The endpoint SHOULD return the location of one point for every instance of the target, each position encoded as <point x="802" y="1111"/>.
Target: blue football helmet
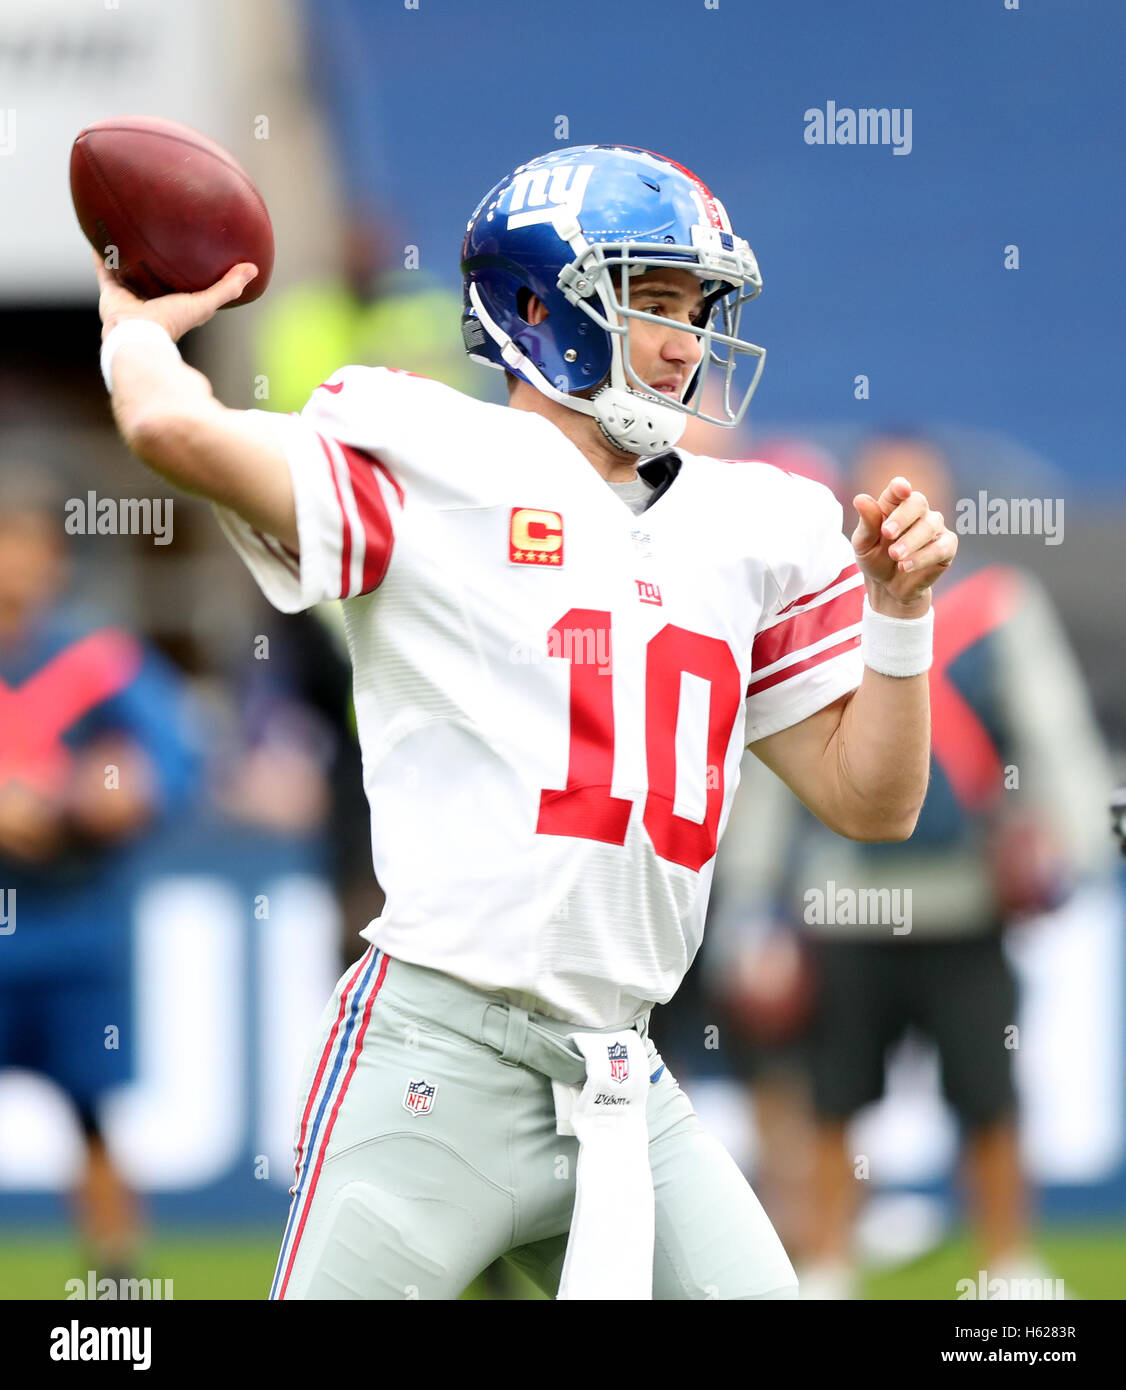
<point x="558" y="228"/>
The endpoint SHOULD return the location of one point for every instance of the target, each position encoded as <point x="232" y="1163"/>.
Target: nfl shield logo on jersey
<point x="419" y="1097"/>
<point x="619" y="1062"/>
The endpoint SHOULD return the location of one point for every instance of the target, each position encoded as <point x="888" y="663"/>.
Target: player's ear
<point x="530" y="309"/>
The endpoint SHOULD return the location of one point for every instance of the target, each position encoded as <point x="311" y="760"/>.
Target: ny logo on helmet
<point x="544" y="190"/>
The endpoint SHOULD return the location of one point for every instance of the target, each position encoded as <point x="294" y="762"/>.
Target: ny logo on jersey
<point x="535" y="537"/>
<point x="647" y="592"/>
<point x="619" y="1062"/>
<point x="419" y="1097"/>
<point x="543" y="191"/>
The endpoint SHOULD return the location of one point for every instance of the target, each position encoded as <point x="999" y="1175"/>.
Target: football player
<point x="564" y="631"/>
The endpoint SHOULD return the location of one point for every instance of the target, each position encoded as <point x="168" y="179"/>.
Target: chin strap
<point x="636" y="422"/>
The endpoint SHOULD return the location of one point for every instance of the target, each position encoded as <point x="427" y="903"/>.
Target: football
<point x="178" y="208"/>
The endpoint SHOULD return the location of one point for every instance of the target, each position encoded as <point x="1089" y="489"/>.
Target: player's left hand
<point x="901" y="547"/>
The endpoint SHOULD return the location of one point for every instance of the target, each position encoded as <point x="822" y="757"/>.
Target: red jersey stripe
<point x="389" y="476"/>
<point x="756" y="687"/>
<point x="280" y="553"/>
<point x="803" y="629"/>
<point x="379" y="536"/>
<point x="345" y="524"/>
<point x="846" y="573"/>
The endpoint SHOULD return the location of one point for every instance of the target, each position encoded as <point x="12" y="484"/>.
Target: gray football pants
<point x="426" y="1148"/>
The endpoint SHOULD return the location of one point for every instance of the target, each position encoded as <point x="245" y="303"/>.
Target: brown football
<point x="179" y="209"/>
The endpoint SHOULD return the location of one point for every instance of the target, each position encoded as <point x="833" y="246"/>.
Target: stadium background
<point x="372" y="130"/>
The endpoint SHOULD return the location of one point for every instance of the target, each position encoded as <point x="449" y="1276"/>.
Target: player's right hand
<point x="177" y="314"/>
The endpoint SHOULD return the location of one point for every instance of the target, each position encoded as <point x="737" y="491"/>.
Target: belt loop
<point x="515" y="1033"/>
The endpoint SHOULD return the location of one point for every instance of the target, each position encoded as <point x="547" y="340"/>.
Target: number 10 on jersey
<point x="585" y="808"/>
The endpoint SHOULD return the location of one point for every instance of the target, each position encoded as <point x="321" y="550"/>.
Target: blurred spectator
<point x="293" y="766"/>
<point x="375" y="299"/>
<point x="367" y="310"/>
<point x="1014" y="820"/>
<point x="93" y="752"/>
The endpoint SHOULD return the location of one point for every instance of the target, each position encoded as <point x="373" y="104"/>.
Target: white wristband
<point x="135" y="330"/>
<point x="896" y="646"/>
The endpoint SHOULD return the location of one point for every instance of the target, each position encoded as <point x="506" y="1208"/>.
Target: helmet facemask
<point x="632" y="415"/>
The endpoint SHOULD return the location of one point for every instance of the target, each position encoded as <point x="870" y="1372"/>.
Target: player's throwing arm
<point x="167" y="414"/>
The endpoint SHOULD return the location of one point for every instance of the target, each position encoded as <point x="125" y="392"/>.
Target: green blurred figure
<point x="373" y="311"/>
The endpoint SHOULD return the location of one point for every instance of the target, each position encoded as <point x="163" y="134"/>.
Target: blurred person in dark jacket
<point x="94" y="751"/>
<point x="1013" y="822"/>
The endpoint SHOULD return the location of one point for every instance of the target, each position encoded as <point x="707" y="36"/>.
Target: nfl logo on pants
<point x="419" y="1097"/>
<point x="619" y="1062"/>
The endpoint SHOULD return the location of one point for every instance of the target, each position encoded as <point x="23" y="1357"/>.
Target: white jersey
<point x="552" y="694"/>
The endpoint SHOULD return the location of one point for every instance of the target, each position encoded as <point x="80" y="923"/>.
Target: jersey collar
<point x="659" y="472"/>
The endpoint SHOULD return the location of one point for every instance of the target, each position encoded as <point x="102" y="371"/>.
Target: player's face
<point x="663" y="355"/>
